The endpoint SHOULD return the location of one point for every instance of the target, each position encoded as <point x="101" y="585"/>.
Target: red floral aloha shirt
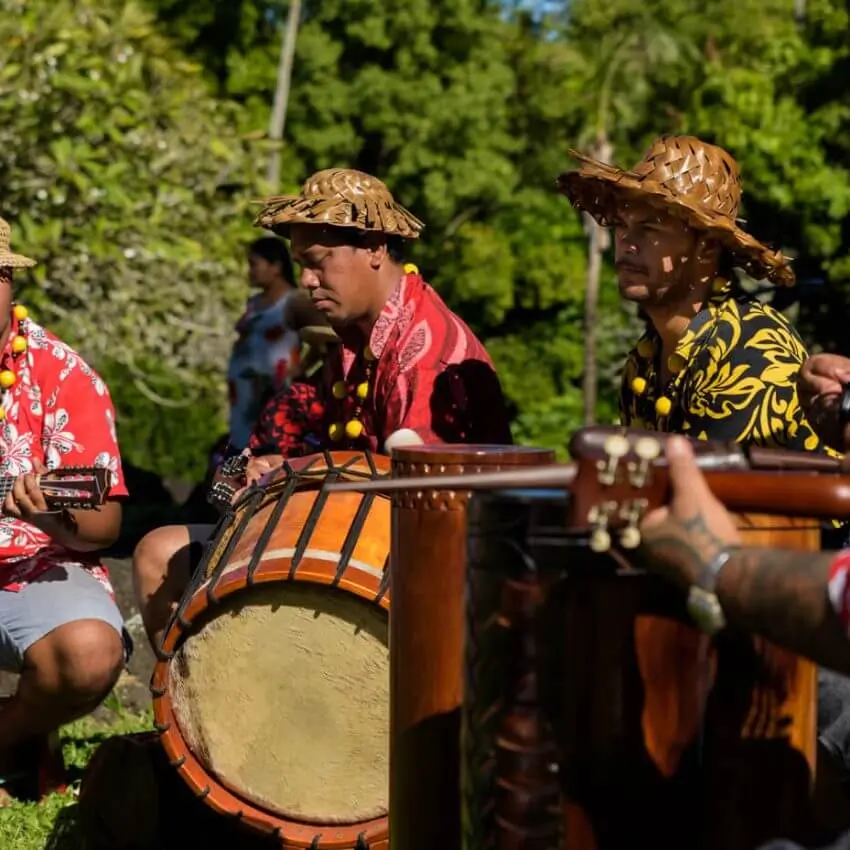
<point x="430" y="374"/>
<point x="289" y="422"/>
<point x="59" y="411"/>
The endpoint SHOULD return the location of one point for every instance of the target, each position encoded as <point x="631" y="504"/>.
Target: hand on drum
<point x="684" y="536"/>
<point x="257" y="468"/>
<point x="820" y="385"/>
<point x="26" y="501"/>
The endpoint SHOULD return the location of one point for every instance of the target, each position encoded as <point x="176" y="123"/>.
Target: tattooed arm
<point x="779" y="594"/>
<point x="782" y="595"/>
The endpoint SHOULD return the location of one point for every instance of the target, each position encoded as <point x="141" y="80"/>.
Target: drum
<point x="596" y="718"/>
<point x="272" y="692"/>
<point x="428" y="567"/>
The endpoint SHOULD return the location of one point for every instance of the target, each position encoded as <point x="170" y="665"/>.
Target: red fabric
<point x="60" y="412"/>
<point x="839" y="587"/>
<point x="432" y="376"/>
<point x="287" y="420"/>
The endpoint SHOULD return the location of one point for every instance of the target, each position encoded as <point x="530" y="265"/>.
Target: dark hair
<point x="273" y="250"/>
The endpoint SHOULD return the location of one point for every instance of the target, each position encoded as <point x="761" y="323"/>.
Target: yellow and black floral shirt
<point x="733" y="378"/>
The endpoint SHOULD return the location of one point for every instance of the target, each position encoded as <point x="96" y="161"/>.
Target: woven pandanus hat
<point x="9" y="260"/>
<point x="341" y="197"/>
<point x="687" y="177"/>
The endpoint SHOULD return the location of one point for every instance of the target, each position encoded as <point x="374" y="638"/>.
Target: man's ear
<point x="376" y="245"/>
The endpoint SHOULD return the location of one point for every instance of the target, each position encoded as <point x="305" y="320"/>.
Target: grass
<point x="51" y="824"/>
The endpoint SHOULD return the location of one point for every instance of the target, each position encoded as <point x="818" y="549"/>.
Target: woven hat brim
<point x="370" y="216"/>
<point x="599" y="188"/>
<point x="8" y="260"/>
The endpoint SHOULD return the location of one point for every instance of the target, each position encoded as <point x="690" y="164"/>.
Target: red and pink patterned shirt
<point x="431" y="376"/>
<point x="59" y="411"/>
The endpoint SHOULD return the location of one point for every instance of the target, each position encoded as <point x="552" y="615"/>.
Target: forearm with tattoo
<point x="782" y="595"/>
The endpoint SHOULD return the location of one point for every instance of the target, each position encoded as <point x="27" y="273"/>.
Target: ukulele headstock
<point x="618" y="481"/>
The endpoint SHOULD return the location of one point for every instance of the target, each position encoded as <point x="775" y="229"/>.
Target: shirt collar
<point x="406" y="290"/>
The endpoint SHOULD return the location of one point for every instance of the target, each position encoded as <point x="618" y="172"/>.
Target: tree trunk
<point x="598" y="242"/>
<point x="281" y="95"/>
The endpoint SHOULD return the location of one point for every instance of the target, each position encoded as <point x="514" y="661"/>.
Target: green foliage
<point x="133" y="184"/>
<point x="51" y="823"/>
<point x="461" y="111"/>
<point x="128" y="183"/>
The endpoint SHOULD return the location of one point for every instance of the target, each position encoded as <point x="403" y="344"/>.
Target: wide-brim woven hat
<point x="8" y="259"/>
<point x="684" y="176"/>
<point x="341" y="198"/>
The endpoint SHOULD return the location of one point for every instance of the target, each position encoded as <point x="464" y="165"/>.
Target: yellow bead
<point x="410" y="268"/>
<point x="638" y="386"/>
<point x="7" y="379"/>
<point x="646" y="348"/>
<point x="353" y="429"/>
<point x="339" y="389"/>
<point x="19" y="344"/>
<point x="368" y="353"/>
<point x="20" y="312"/>
<point x="336" y="431"/>
<point x="676" y="363"/>
<point x="663" y="406"/>
<point x="719" y="284"/>
<point x="362" y="390"/>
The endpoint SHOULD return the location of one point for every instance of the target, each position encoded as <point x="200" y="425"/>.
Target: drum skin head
<point x="283" y="695"/>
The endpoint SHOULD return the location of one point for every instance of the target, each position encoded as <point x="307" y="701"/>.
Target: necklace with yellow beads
<point x="352" y="428"/>
<point x="676" y="364"/>
<point x="19" y="344"/>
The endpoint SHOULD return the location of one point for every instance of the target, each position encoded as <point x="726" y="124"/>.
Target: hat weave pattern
<point x="684" y="176"/>
<point x="9" y="260"/>
<point x="341" y="198"/>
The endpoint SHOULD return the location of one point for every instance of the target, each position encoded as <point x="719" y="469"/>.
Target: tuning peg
<point x="615" y="447"/>
<point x="647" y="449"/>
<point x="600" y="540"/>
<point x="630" y="537"/>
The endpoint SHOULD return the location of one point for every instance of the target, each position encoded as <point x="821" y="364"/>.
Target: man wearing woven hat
<point x="714" y="363"/>
<point x="59" y="625"/>
<point x="406" y="369"/>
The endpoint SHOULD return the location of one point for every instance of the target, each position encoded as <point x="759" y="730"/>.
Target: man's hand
<point x="820" y="384"/>
<point x="680" y="539"/>
<point x="258" y="467"/>
<point x="26" y="501"/>
<point x="822" y="374"/>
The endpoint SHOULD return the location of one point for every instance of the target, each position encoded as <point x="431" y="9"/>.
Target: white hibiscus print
<point x="107" y="461"/>
<point x="16" y="450"/>
<point x="55" y="440"/>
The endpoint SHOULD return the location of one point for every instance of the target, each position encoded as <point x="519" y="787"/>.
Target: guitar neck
<point x="66" y="488"/>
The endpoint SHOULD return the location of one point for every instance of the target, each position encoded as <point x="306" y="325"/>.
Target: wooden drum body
<point x="596" y="717"/>
<point x="428" y="568"/>
<point x="272" y="695"/>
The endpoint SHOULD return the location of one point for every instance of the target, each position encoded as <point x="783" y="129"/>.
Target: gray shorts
<point x="59" y="596"/>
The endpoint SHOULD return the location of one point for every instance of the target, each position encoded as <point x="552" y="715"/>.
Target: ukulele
<point x="70" y="487"/>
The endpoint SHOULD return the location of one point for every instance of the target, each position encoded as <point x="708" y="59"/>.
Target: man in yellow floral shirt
<point x="714" y="362"/>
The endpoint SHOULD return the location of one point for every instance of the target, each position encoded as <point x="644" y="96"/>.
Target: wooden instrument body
<point x="596" y="717"/>
<point x="287" y="540"/>
<point x="428" y="569"/>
